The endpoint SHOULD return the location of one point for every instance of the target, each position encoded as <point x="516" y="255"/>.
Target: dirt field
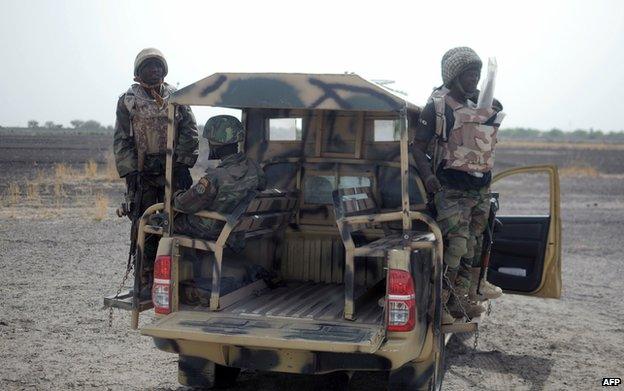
<point x="58" y="258"/>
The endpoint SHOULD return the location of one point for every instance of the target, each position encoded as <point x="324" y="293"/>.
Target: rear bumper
<point x="275" y="360"/>
<point x="293" y="345"/>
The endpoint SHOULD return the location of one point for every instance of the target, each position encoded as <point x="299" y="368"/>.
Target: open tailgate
<point x="268" y="332"/>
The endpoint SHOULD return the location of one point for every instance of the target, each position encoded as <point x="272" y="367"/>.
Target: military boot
<point x="147" y="279"/>
<point x="447" y="318"/>
<point x="486" y="290"/>
<point x="460" y="305"/>
<point x="449" y="276"/>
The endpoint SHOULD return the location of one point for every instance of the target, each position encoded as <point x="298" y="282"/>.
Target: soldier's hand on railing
<point x="159" y="219"/>
<point x="432" y="184"/>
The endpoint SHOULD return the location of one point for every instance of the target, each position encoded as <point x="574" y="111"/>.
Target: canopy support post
<point x="171" y="136"/>
<point x="405" y="201"/>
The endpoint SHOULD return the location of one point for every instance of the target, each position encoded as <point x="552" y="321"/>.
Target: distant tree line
<point x="77" y="124"/>
<point x="578" y="135"/>
<point x="559" y="135"/>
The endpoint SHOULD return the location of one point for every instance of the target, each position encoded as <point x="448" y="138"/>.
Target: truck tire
<point x="426" y="375"/>
<point x="201" y="373"/>
<point x="334" y="381"/>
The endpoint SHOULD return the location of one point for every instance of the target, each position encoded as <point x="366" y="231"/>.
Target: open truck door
<point x="526" y="254"/>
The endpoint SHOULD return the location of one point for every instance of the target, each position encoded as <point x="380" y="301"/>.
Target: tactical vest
<point x="469" y="146"/>
<point x="148" y="121"/>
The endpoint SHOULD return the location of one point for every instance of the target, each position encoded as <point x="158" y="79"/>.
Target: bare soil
<point x="57" y="261"/>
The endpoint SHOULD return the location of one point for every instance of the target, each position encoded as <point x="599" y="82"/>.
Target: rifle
<point x="134" y="256"/>
<point x="131" y="207"/>
<point x="488" y="239"/>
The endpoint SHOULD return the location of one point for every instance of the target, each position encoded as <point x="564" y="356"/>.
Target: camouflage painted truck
<point x="354" y="261"/>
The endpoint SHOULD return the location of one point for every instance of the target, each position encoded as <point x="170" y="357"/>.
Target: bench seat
<point x="258" y="214"/>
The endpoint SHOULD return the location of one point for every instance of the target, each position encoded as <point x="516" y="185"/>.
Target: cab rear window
<point x="285" y="129"/>
<point x="317" y="189"/>
<point x="386" y="130"/>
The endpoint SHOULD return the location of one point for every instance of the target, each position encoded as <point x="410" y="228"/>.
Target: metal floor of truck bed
<point x="304" y="300"/>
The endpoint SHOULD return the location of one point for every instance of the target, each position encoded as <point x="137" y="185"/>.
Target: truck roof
<point x="291" y="91"/>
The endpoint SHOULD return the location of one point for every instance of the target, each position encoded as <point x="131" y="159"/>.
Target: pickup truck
<point x="351" y="261"/>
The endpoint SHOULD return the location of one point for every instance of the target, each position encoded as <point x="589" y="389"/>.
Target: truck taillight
<point x="161" y="289"/>
<point x="401" y="303"/>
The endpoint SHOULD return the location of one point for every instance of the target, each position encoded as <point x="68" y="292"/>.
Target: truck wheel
<point x="424" y="375"/>
<point x="201" y="373"/>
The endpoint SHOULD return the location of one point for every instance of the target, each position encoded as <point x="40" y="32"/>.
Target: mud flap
<point x="201" y="373"/>
<point x="425" y="375"/>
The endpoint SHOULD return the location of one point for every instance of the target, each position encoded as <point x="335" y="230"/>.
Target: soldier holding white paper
<point x="460" y="135"/>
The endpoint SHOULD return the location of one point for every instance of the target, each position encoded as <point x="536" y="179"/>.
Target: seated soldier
<point x="221" y="188"/>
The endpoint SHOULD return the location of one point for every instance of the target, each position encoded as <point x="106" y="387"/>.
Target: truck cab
<point x="351" y="261"/>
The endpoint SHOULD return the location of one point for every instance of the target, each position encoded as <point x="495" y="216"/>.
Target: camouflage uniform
<point x="220" y="190"/>
<point x="223" y="187"/>
<point x="140" y="139"/>
<point x="462" y="140"/>
<point x="140" y="142"/>
<point x="462" y="217"/>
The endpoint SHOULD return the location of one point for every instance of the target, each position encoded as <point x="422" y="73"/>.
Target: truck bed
<point x="305" y="316"/>
<point x="314" y="301"/>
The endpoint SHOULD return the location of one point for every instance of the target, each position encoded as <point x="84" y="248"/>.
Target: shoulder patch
<point x="201" y="186"/>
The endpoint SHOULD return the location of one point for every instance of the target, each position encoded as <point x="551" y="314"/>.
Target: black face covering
<point x="221" y="151"/>
<point x="212" y="153"/>
<point x="468" y="95"/>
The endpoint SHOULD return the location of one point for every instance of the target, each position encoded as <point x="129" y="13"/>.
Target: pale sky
<point x="560" y="63"/>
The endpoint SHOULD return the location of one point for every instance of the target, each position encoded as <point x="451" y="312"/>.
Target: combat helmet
<point x="223" y="130"/>
<point x="145" y="55"/>
<point x="456" y="60"/>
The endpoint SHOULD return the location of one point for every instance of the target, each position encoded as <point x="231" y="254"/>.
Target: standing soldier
<point x="461" y="139"/>
<point x="223" y="187"/>
<point x="140" y="142"/>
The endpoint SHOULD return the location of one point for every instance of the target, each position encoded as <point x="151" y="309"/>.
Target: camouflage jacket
<point x="140" y="133"/>
<point x="220" y="190"/>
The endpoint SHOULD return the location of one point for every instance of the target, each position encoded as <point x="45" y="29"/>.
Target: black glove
<point x="182" y="177"/>
<point x="432" y="184"/>
<point x="159" y="219"/>
<point x="131" y="181"/>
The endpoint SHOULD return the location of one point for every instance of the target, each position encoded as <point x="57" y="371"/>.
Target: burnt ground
<point x="57" y="261"/>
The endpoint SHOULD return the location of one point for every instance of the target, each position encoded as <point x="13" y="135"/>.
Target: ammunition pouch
<point x="154" y="164"/>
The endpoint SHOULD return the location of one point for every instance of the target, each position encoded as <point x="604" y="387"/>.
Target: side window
<point x="354" y="181"/>
<point x="317" y="189"/>
<point x="285" y="129"/>
<point x="386" y="130"/>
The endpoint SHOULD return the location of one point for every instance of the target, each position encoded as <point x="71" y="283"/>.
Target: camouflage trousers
<point x="462" y="217"/>
<point x="152" y="193"/>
